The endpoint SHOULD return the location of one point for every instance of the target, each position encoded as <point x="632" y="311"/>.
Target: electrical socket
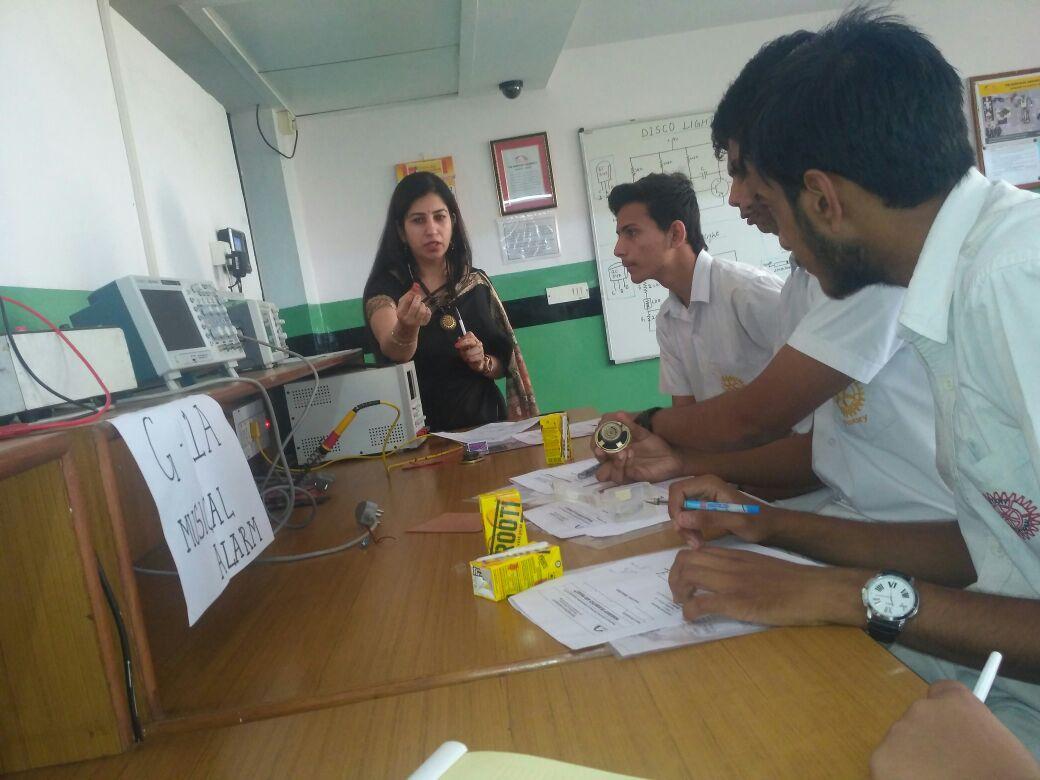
<point x="255" y="411"/>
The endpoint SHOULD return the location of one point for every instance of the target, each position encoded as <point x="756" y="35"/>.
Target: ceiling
<point x="314" y="56"/>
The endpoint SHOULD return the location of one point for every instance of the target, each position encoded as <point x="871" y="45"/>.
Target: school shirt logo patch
<point x="850" y="403"/>
<point x="1018" y="512"/>
<point x="730" y="382"/>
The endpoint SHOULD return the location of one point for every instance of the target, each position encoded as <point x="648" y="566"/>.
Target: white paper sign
<point x="211" y="512"/>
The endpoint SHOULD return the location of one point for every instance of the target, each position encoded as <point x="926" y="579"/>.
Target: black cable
<point x="124" y="644"/>
<point x="9" y="332"/>
<point x="296" y="140"/>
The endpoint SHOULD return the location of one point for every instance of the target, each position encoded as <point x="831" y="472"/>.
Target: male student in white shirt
<point x="968" y="251"/>
<point x="870" y="438"/>
<point x="716" y="329"/>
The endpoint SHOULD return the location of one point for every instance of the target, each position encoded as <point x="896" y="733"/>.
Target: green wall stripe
<point x="55" y="305"/>
<point x="524" y="284"/>
<point x="349" y="313"/>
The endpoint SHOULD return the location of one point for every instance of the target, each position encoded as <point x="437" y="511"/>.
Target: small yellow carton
<point x="503" y="516"/>
<point x="556" y="438"/>
<point x="503" y="574"/>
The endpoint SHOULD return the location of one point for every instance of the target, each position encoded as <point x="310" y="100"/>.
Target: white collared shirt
<point x="874" y="442"/>
<point x="725" y="337"/>
<point x="972" y="310"/>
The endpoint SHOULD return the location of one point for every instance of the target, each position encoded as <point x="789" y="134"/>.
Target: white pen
<point x="987" y="676"/>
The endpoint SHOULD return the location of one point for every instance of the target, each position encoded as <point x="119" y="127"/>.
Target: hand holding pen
<point x="950" y="733"/>
<point x="705" y="508"/>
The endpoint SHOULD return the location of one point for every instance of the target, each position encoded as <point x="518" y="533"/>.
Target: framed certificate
<point x="523" y="173"/>
<point x="1006" y="113"/>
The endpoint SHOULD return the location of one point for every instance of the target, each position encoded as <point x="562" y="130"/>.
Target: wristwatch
<point x="891" y="601"/>
<point x="645" y="419"/>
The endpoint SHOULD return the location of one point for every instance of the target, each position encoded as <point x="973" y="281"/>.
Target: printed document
<point x="613" y="601"/>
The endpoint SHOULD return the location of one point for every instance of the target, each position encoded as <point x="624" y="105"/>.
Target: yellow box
<point x="502" y="574"/>
<point x="556" y="438"/>
<point x="503" y="516"/>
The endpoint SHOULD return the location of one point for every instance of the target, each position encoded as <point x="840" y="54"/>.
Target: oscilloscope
<point x="171" y="325"/>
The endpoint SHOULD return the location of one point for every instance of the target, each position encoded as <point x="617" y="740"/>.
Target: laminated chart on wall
<point x="627" y="152"/>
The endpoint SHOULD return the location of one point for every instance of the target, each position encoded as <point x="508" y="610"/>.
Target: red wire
<point x="17" y="429"/>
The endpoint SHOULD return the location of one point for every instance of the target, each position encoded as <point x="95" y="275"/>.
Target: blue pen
<point x="719" y="506"/>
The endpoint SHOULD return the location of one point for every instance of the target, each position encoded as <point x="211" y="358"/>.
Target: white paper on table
<point x="705" y="629"/>
<point x="578" y="431"/>
<point x="530" y="437"/>
<point x="614" y="600"/>
<point x="584" y="428"/>
<point x="567" y="519"/>
<point x="564" y="519"/>
<point x="543" y="480"/>
<point x="492" y="433"/>
<point x="611" y="601"/>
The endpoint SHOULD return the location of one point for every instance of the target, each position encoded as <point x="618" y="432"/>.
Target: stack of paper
<point x="602" y="603"/>
<point x="491" y="434"/>
<point x="570" y="519"/>
<point x="511" y="435"/>
<point x="628" y="603"/>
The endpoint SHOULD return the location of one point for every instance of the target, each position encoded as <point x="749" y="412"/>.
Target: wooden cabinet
<point x="74" y="505"/>
<point x="61" y="681"/>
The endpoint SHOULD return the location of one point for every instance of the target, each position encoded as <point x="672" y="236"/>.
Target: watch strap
<point x="884" y="631"/>
<point x="645" y="419"/>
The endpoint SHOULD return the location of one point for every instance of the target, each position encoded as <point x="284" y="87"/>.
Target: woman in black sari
<point x="425" y="302"/>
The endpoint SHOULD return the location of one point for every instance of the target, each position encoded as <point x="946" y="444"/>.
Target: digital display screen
<point x="172" y="317"/>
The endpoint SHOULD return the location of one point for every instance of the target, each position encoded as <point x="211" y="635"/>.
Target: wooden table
<point x="797" y="703"/>
<point x="361" y="663"/>
<point x="398" y="616"/>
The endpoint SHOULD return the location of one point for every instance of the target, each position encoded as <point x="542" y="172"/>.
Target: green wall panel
<point x="569" y="368"/>
<point x="55" y="305"/>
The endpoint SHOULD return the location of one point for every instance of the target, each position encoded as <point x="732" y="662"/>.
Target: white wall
<point x="344" y="165"/>
<point x="67" y="215"/>
<point x="186" y="158"/>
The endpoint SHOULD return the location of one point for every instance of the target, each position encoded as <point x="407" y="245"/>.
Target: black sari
<point x="453" y="395"/>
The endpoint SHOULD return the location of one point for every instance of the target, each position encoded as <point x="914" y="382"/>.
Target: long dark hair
<point x="394" y="257"/>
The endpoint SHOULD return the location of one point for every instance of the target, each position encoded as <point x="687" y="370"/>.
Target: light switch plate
<point x="567" y="292"/>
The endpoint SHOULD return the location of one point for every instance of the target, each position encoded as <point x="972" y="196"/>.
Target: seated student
<point x="717" y="327"/>
<point x="871" y="441"/>
<point x="969" y="252"/>
<point x="425" y="302"/>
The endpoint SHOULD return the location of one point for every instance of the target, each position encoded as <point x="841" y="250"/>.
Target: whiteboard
<point x="629" y="151"/>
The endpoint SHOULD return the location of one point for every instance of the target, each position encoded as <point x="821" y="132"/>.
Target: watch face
<point x="890" y="596"/>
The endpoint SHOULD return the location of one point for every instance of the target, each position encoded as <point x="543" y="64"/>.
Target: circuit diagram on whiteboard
<point x="653" y="296"/>
<point x="620" y="281"/>
<point x="698" y="161"/>
<point x="603" y="172"/>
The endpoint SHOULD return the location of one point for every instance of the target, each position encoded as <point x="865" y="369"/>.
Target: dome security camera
<point x="511" y="89"/>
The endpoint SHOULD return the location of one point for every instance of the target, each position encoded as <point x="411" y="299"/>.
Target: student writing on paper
<point x="424" y="301"/>
<point x="968" y="252"/>
<point x="870" y="439"/>
<point x="717" y="327"/>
